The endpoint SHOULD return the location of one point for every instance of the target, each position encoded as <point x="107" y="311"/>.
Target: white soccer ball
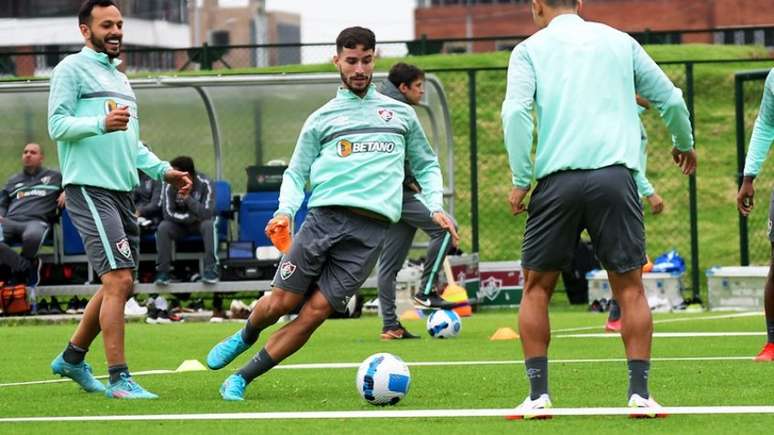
<point x="444" y="324"/>
<point x="383" y="379"/>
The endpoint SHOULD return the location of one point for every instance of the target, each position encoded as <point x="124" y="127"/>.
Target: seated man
<point x="28" y="205"/>
<point x="183" y="216"/>
<point x="147" y="202"/>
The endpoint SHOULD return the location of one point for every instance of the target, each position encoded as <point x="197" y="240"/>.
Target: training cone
<point x="458" y="295"/>
<point x="191" y="365"/>
<point x="411" y="314"/>
<point x="504" y="334"/>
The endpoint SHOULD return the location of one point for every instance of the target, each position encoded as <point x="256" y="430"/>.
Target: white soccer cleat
<point x="649" y="408"/>
<point x="532" y="409"/>
<point x="132" y="308"/>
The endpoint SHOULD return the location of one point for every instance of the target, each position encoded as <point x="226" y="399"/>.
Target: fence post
<point x="744" y="242"/>
<point x="692" y="187"/>
<point x="206" y="62"/>
<point x="423" y="44"/>
<point x="473" y="159"/>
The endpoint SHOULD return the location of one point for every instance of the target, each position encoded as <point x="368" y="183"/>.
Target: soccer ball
<point x="444" y="324"/>
<point x="383" y="379"/>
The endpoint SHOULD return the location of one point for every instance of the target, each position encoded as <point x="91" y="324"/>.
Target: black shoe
<point x="53" y="306"/>
<point x="153" y="313"/>
<point x="397" y="333"/>
<point x="43" y="307"/>
<point x="72" y="305"/>
<point x="82" y="302"/>
<point x="33" y="273"/>
<point x="432" y="302"/>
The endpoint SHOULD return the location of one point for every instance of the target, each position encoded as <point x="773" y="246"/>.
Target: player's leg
<point x="209" y="238"/>
<point x="166" y="233"/>
<point x="396" y="248"/>
<point x="767" y="353"/>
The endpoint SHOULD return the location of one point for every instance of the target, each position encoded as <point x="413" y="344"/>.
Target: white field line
<point x="668" y="335"/>
<point x="658" y="322"/>
<point x="419" y="413"/>
<point x="318" y="366"/>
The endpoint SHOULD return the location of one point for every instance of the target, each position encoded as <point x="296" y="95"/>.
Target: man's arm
<point x="763" y="131"/>
<point x="152" y="208"/>
<point x="149" y="163"/>
<point x="170" y="206"/>
<point x="651" y="82"/>
<point x="516" y="116"/>
<point x="296" y="175"/>
<point x="63" y="125"/>
<point x="204" y="208"/>
<point x="424" y="165"/>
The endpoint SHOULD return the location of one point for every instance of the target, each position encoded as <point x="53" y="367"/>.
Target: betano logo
<point x="344" y="148"/>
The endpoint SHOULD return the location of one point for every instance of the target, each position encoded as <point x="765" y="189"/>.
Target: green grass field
<point x="27" y="351"/>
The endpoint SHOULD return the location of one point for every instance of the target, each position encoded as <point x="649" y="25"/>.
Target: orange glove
<point x="278" y="231"/>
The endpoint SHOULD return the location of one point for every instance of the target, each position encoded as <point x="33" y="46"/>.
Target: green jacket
<point x="84" y="87"/>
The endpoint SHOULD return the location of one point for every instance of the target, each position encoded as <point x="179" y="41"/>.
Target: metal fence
<point x="754" y="245"/>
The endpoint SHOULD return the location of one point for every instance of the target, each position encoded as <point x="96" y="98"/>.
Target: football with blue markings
<point x="444" y="324"/>
<point x="383" y="379"/>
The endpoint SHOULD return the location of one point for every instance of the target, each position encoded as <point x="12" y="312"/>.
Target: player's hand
<point x="516" y="198"/>
<point x="744" y="199"/>
<point x="60" y="200"/>
<point x="117" y="119"/>
<point x="278" y="231"/>
<point x="656" y="203"/>
<point x="686" y="160"/>
<point x="180" y="180"/>
<point x="446" y="223"/>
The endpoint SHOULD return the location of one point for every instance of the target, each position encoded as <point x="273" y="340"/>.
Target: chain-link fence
<point x="754" y="245"/>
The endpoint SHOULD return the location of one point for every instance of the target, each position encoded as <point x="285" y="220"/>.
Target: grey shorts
<point x="604" y="201"/>
<point x="334" y="250"/>
<point x="107" y="225"/>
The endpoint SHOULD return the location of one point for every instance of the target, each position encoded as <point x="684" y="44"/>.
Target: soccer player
<point x="405" y="83"/>
<point x="760" y="142"/>
<point x="352" y="152"/>
<point x="92" y="115"/>
<point x="583" y="77"/>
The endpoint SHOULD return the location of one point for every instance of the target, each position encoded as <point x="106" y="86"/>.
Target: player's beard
<point x="348" y="83"/>
<point x="99" y="46"/>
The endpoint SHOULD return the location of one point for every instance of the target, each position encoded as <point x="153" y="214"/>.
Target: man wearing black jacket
<point x="183" y="216"/>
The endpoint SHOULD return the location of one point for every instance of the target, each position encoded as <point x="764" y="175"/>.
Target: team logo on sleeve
<point x="344" y="148"/>
<point x="45" y="179"/>
<point x="385" y="114"/>
<point x="124" y="249"/>
<point x="286" y="269"/>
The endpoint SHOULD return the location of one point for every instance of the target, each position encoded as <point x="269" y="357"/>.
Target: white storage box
<point x="736" y="287"/>
<point x="658" y="286"/>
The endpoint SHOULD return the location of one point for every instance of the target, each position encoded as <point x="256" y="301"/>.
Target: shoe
<point x="531" y="409"/>
<point x="153" y="314"/>
<point x="53" y="306"/>
<point x="654" y="409"/>
<point x="225" y="351"/>
<point x="432" y="301"/>
<point x="239" y="310"/>
<point x="613" y="326"/>
<point x="173" y="317"/>
<point x="163" y="317"/>
<point x="72" y="305"/>
<point x="767" y="354"/>
<point x="43" y="307"/>
<point x="210" y="277"/>
<point x="233" y="388"/>
<point x="80" y="373"/>
<point x="162" y="279"/>
<point x="33" y="273"/>
<point x="126" y="388"/>
<point x="397" y="333"/>
<point x="132" y="308"/>
<point x="82" y="302"/>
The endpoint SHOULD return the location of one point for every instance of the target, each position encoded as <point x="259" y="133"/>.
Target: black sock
<point x="74" y="354"/>
<point x="615" y="311"/>
<point x="115" y="372"/>
<point x="770" y="330"/>
<point x="638" y="377"/>
<point x="537" y="373"/>
<point x="250" y="333"/>
<point x="258" y="365"/>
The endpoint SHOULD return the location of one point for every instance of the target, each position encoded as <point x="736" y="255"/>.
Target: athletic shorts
<point x="107" y="225"/>
<point x="604" y="201"/>
<point x="335" y="250"/>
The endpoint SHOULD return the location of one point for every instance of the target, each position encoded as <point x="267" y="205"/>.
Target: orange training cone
<point x="504" y="334"/>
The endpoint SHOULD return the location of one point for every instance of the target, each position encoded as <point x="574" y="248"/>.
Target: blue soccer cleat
<point x="233" y="388"/>
<point x="225" y="351"/>
<point x="80" y="373"/>
<point x="126" y="388"/>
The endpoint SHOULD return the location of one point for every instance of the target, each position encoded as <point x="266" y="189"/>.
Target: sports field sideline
<point x="702" y="373"/>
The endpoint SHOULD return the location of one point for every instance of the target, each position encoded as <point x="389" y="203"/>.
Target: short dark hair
<point x="351" y="37"/>
<point x="562" y="3"/>
<point x="401" y="73"/>
<point x="84" y="13"/>
<point x="183" y="163"/>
